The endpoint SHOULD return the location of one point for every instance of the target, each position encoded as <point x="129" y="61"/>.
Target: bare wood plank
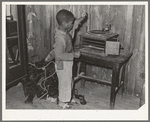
<point x="140" y="78"/>
<point x="95" y="79"/>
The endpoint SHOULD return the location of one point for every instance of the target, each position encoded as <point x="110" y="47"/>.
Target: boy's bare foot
<point x="64" y="105"/>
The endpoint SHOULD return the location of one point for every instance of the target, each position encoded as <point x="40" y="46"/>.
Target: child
<point x="64" y="55"/>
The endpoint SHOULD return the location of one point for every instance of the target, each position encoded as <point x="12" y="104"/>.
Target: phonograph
<point x="100" y="42"/>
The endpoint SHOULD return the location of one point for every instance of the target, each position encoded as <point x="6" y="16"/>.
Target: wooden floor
<point x="96" y="95"/>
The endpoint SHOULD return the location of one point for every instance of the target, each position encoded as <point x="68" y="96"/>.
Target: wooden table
<point x="116" y="63"/>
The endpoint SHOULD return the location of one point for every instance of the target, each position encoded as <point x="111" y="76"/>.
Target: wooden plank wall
<point x="126" y="20"/>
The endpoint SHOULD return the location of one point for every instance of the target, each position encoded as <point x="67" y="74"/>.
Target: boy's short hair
<point x="64" y="16"/>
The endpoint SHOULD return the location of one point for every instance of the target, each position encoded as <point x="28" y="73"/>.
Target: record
<point x="97" y="32"/>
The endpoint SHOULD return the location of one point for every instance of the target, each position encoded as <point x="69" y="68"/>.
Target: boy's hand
<point x="79" y="20"/>
<point x="84" y="15"/>
<point x="50" y="56"/>
<point x="77" y="54"/>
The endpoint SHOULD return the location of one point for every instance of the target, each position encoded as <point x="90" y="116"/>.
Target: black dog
<point x="41" y="81"/>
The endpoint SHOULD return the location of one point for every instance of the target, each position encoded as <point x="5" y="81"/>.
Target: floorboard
<point x="96" y="95"/>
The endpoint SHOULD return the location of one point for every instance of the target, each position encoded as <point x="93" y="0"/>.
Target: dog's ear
<point x="41" y="63"/>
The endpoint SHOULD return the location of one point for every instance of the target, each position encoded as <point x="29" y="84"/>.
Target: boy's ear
<point x="63" y="23"/>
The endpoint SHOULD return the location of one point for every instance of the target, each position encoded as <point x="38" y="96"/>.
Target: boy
<point x="64" y="55"/>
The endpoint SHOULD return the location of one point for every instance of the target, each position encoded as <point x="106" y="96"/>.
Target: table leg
<point x="122" y="80"/>
<point x="83" y="69"/>
<point x="115" y="80"/>
<point x="74" y="69"/>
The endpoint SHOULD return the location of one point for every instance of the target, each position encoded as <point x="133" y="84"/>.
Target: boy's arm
<point x="50" y="56"/>
<point x="61" y="54"/>
<point x="77" y="23"/>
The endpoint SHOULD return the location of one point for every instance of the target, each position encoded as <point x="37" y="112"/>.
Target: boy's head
<point x="65" y="18"/>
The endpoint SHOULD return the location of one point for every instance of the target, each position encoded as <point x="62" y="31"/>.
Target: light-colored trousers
<point x="65" y="82"/>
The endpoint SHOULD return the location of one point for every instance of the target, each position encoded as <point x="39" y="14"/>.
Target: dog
<point x="41" y="80"/>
